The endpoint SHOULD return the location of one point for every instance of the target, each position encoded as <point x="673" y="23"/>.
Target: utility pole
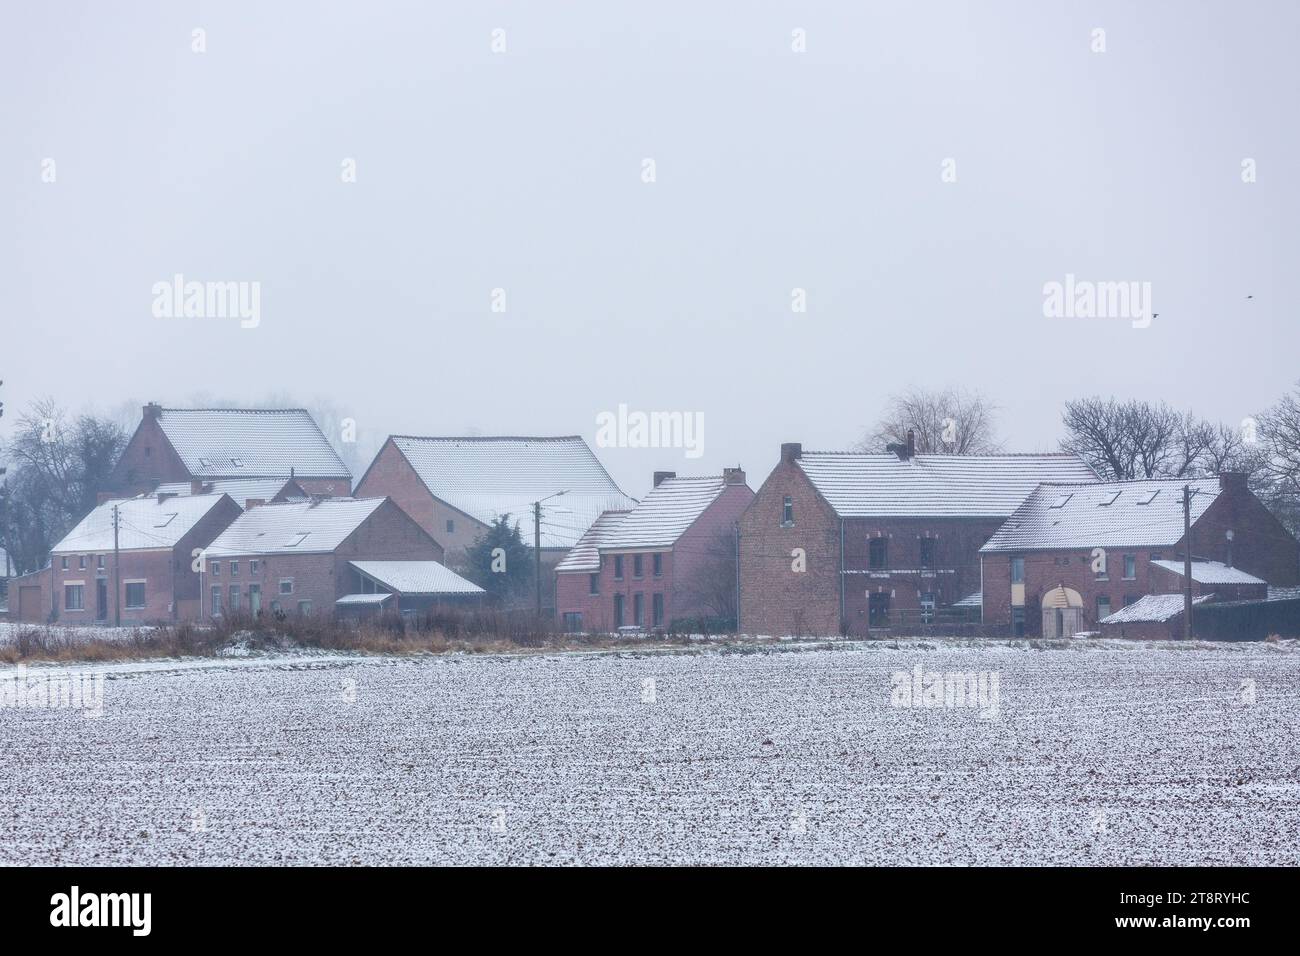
<point x="537" y="548"/>
<point x="1187" y="562"/>
<point x="117" y="584"/>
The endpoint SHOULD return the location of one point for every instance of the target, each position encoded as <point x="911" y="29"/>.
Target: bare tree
<point x="946" y="422"/>
<point x="1276" y="450"/>
<point x="714" y="586"/>
<point x="1122" y="440"/>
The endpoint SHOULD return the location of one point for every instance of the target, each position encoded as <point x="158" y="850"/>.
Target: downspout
<point x="844" y="624"/>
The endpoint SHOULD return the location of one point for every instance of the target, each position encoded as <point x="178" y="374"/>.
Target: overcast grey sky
<point x="775" y="170"/>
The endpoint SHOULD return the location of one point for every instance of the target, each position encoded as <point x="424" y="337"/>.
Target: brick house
<point x="456" y="487"/>
<point x="297" y="557"/>
<point x="846" y="542"/>
<point x="668" y="559"/>
<point x="1074" y="553"/>
<point x="156" y="581"/>
<point x="182" y="445"/>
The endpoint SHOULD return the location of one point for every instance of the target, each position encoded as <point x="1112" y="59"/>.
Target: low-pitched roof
<point x="298" y="527"/>
<point x="250" y="443"/>
<point x="1111" y="514"/>
<point x="1152" y="608"/>
<point x="1211" y="572"/>
<point x="487" y="477"/>
<point x="241" y="489"/>
<point x="665" y="513"/>
<point x="377" y="598"/>
<point x="585" y="555"/>
<point x="143" y="523"/>
<point x="859" y="485"/>
<point x="416" y="577"/>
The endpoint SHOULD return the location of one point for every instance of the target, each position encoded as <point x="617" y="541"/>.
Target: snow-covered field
<point x="1101" y="754"/>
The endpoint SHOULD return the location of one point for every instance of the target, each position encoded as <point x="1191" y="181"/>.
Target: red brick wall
<point x="695" y="554"/>
<point x="1261" y="545"/>
<point x="154" y="567"/>
<point x="774" y="599"/>
<point x="148" y="459"/>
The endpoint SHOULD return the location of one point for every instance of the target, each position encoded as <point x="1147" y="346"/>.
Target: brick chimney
<point x="661" y="475"/>
<point x="1234" y="481"/>
<point x="252" y="503"/>
<point x="791" y="451"/>
<point x="152" y="410"/>
<point x="733" y="476"/>
<point x="196" y="486"/>
<point x="904" y="451"/>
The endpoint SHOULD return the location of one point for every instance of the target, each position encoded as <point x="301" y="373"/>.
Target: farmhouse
<point x="840" y="542"/>
<point x="1073" y="553"/>
<point x="407" y="588"/>
<point x="298" y="557"/>
<point x="152" y="579"/>
<point x="670" y="558"/>
<point x="183" y="445"/>
<point x="456" y="487"/>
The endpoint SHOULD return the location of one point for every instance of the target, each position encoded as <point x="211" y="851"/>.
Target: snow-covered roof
<point x="1111" y="514"/>
<point x="1152" y="608"/>
<point x="144" y="522"/>
<point x="487" y="477"/>
<point x="1211" y="572"/>
<point x="241" y="489"/>
<point x="416" y="577"/>
<point x="585" y="555"/>
<point x="376" y="598"/>
<point x="868" y="485"/>
<point x="664" y="513"/>
<point x="299" y="527"/>
<point x="250" y="443"/>
<point x="1283" y="593"/>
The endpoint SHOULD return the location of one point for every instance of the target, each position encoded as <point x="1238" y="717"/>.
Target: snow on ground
<point x="1131" y="755"/>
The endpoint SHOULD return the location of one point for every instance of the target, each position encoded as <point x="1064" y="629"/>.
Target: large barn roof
<point x="250" y="443"/>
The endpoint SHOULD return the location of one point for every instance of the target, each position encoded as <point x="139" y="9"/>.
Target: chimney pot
<point x="733" y="476"/>
<point x="791" y="451"/>
<point x="152" y="410"/>
<point x="911" y="443"/>
<point x="661" y="475"/>
<point x="1232" y="481"/>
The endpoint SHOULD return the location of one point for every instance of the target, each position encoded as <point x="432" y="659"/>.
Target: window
<point x="927" y="554"/>
<point x="1149" y="497"/>
<point x="254" y="566"/>
<point x="593" y="583"/>
<point x="1017" y="570"/>
<point x="878" y="610"/>
<point x="74" y="597"/>
<point x="572" y="620"/>
<point x="451" y="527"/>
<point x="618" y="610"/>
<point x="81" y="562"/>
<point x="234" y="597"/>
<point x="296" y="539"/>
<point x="657" y="608"/>
<point x="165" y="520"/>
<point x="99" y="561"/>
<point x="1156" y="556"/>
<point x="878" y="553"/>
<point x="237" y="462"/>
<point x="1018" y="621"/>
<point x="216" y="600"/>
<point x="787" y="512"/>
<point x="618" y="567"/>
<point x="638" y="569"/>
<point x="63" y="562"/>
<point x="1108" y="500"/>
<point x="638" y="610"/>
<point x="286" y="585"/>
<point x="1103" y="606"/>
<point x="214" y="568"/>
<point x="275" y="607"/>
<point x="927" y="607"/>
<point x="659" y="565"/>
<point x="1130" y="567"/>
<point x="1061" y="501"/>
<point x="304" y="608"/>
<point x="234" y="568"/>
<point x="135" y="594"/>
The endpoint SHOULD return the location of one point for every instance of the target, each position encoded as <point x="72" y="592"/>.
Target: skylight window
<point x="1060" y="501"/>
<point x="205" y="463"/>
<point x="297" y="539"/>
<point x="1149" y="497"/>
<point x="1108" y="500"/>
<point x="166" y="520"/>
<point x="237" y="462"/>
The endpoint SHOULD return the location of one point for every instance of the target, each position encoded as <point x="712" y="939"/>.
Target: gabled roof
<point x="300" y="527"/>
<point x="1152" y="608"/>
<point x="416" y="577"/>
<point x="250" y="443"/>
<point x="1110" y="514"/>
<point x="860" y="485"/>
<point x="486" y="478"/>
<point x="144" y="522"/>
<point x="585" y="555"/>
<point x="1211" y="572"/>
<point x="665" y="513"/>
<point x="240" y="489"/>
